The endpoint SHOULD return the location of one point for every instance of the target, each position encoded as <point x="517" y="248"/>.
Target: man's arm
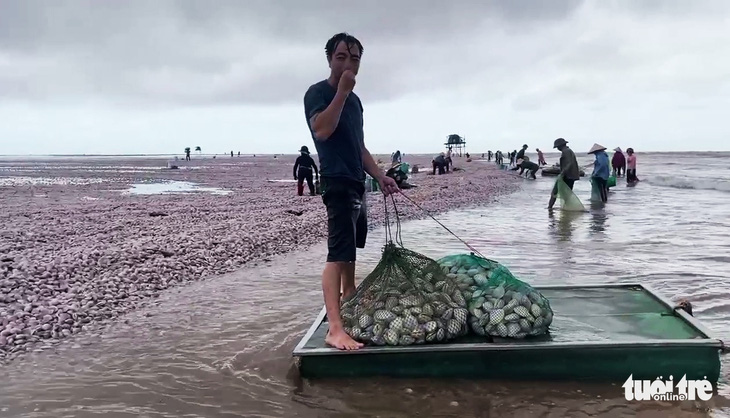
<point x="325" y="122"/>
<point x="323" y="117"/>
<point x="296" y="165"/>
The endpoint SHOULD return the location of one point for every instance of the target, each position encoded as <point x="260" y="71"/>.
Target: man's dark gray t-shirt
<point x="340" y="156"/>
<point x="567" y="159"/>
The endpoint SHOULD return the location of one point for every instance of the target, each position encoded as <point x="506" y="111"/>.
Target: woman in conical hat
<point x="596" y="147"/>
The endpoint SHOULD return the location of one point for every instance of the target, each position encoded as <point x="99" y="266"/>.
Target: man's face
<point x="345" y="57"/>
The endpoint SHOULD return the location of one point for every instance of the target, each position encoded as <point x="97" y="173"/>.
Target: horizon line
<point x="292" y="153"/>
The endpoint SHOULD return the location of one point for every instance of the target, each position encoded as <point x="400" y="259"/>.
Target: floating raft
<point x="555" y="170"/>
<point x="599" y="333"/>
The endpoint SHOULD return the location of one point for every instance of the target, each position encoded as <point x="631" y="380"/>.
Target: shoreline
<point x="78" y="256"/>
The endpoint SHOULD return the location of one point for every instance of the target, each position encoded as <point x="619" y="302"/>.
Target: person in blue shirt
<point x="601" y="170"/>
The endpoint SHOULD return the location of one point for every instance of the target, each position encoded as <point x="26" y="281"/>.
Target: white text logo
<point x="659" y="390"/>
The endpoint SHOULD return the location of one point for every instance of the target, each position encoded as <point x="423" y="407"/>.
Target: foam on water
<point x="689" y="183"/>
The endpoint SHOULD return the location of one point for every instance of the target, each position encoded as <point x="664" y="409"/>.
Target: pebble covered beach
<point x="85" y="240"/>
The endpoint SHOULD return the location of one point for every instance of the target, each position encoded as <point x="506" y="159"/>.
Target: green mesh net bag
<point x="569" y="201"/>
<point x="407" y="299"/>
<point x="499" y="304"/>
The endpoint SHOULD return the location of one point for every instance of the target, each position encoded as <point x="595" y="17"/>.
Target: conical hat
<point x="596" y="147"/>
<point x="618" y="149"/>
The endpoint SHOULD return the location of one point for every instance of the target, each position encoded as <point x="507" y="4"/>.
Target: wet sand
<point x="78" y="249"/>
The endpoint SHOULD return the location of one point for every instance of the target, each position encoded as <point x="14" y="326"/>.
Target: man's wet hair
<point x="345" y="37"/>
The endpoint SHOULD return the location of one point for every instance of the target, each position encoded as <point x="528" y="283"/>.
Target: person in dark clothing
<point x="489" y="155"/>
<point x="526" y="164"/>
<point x="521" y="154"/>
<point x="569" y="170"/>
<point x="334" y="115"/>
<point x="618" y="162"/>
<point x="440" y="162"/>
<point x="303" y="167"/>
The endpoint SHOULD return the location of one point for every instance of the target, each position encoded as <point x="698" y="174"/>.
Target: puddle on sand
<point x="170" y="187"/>
<point x="282" y="181"/>
<point x="49" y="181"/>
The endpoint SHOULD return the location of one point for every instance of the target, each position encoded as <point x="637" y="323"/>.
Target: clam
<point x="496" y="316"/>
<point x="406" y="340"/>
<point x="384" y="316"/>
<point x="391" y="337"/>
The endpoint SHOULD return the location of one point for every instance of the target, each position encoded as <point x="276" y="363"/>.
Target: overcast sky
<point x="156" y="76"/>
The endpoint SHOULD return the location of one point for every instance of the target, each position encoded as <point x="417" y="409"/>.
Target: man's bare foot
<point x="340" y="340"/>
<point x="347" y="294"/>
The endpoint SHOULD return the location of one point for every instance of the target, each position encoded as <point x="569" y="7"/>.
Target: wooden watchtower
<point x="456" y="143"/>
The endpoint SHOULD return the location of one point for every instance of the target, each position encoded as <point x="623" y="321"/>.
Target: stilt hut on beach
<point x="456" y="143"/>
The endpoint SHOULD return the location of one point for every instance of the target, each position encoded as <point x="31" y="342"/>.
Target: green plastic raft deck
<point x="600" y="333"/>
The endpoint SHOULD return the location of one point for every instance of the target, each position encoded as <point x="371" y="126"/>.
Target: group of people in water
<point x="570" y="171"/>
<point x="305" y="169"/>
<point x="515" y="156"/>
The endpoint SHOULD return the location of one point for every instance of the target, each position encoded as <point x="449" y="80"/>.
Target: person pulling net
<point x="569" y="174"/>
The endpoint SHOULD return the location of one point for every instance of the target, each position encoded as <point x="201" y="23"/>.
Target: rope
<point x="388" y="229"/>
<point x="474" y="250"/>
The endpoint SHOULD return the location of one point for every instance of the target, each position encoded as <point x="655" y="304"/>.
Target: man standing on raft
<point x="334" y="115"/>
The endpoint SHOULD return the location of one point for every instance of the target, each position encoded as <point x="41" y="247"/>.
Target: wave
<point x="688" y="183"/>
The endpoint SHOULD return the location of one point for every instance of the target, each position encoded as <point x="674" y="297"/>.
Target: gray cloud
<point x="169" y="53"/>
<point x="197" y="52"/>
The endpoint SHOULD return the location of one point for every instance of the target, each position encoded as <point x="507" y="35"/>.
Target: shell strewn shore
<point x="74" y="255"/>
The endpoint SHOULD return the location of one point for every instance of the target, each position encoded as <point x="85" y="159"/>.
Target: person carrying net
<point x="334" y="115"/>
<point x="569" y="170"/>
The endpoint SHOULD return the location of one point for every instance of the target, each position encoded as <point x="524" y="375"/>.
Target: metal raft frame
<point x="707" y="342"/>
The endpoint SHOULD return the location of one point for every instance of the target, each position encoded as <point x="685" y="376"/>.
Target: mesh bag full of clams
<point x="499" y="304"/>
<point x="407" y="299"/>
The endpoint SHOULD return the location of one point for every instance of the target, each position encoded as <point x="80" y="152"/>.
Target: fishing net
<point x="569" y="201"/>
<point x="612" y="177"/>
<point x="595" y="191"/>
<point x="407" y="299"/>
<point x="499" y="304"/>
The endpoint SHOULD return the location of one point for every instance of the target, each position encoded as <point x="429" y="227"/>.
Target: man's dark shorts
<point x="569" y="182"/>
<point x="347" y="220"/>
